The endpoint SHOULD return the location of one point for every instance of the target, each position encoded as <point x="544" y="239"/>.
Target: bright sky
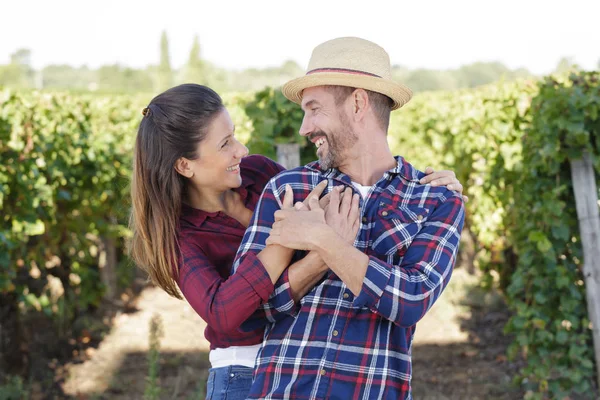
<point x="437" y="34"/>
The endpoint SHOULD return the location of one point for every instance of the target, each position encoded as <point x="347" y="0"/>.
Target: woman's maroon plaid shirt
<point x="209" y="242"/>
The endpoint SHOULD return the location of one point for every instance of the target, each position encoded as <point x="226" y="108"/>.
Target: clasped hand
<point x="305" y="225"/>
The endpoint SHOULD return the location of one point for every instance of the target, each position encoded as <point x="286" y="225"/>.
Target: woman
<point x="193" y="193"/>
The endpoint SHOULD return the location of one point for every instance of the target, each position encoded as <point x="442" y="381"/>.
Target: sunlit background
<point x="240" y="45"/>
<point x="79" y="321"/>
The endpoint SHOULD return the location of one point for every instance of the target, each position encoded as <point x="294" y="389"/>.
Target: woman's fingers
<point x="316" y="192"/>
<point x="288" y="197"/>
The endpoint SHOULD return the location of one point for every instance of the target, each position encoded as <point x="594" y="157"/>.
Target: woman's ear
<point x="183" y="167"/>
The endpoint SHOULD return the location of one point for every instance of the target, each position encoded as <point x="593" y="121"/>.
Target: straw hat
<point x="349" y="61"/>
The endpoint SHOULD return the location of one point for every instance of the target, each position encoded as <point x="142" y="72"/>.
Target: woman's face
<point x="219" y="154"/>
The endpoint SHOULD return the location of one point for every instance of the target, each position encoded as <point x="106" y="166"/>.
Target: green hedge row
<point x="65" y="163"/>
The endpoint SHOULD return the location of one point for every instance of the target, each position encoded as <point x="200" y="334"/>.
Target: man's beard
<point x="337" y="145"/>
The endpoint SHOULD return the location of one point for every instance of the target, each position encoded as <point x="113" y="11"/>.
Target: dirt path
<point x="458" y="351"/>
<point x="459" y="347"/>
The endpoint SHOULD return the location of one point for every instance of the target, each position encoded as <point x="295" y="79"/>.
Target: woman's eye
<point x="225" y="144"/>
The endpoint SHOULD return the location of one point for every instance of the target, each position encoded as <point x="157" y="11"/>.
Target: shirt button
<point x="364" y="220"/>
<point x="323" y="372"/>
<point x="420" y="218"/>
<point x="335" y="333"/>
<point x="346" y="295"/>
<point x="385" y="213"/>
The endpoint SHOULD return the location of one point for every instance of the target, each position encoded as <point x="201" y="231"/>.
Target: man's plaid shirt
<point x="333" y="345"/>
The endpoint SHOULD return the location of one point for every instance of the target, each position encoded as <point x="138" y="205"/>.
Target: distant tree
<point x="521" y="73"/>
<point x="400" y="73"/>
<point x="68" y="77"/>
<point x="564" y="65"/>
<point x="481" y="73"/>
<point x="424" y="79"/>
<point x="219" y="79"/>
<point x="292" y="69"/>
<point x="160" y="76"/>
<point x="115" y="78"/>
<point x="194" y="70"/>
<point x="164" y="72"/>
<point x="18" y="73"/>
<point x="21" y="57"/>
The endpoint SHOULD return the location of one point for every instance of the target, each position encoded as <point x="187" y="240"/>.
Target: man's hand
<point x="342" y="213"/>
<point x="443" y="178"/>
<point x="298" y="229"/>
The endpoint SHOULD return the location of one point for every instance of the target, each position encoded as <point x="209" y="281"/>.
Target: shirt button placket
<point x="323" y="384"/>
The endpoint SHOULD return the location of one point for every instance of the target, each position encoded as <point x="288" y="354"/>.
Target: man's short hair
<point x="382" y="105"/>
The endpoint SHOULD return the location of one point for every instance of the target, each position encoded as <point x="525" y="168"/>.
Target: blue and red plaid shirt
<point x="335" y="346"/>
<point x="209" y="242"/>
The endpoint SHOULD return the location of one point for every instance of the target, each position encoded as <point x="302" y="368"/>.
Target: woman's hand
<point x="299" y="226"/>
<point x="443" y="178"/>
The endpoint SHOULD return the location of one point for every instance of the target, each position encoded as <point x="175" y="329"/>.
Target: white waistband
<point x="234" y="355"/>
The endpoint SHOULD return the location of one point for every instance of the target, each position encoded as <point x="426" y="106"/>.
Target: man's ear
<point x="183" y="167"/>
<point x="360" y="103"/>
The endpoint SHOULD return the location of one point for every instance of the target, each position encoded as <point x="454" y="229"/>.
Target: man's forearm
<point x="303" y="275"/>
<point x="349" y="263"/>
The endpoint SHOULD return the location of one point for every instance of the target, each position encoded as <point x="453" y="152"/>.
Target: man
<point x="345" y="330"/>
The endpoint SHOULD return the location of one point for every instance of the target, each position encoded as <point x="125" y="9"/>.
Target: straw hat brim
<point x="399" y="93"/>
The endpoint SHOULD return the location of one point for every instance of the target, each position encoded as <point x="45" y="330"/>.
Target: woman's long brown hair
<point x="174" y="123"/>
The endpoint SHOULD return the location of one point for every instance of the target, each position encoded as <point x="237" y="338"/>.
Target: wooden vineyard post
<point x="586" y="199"/>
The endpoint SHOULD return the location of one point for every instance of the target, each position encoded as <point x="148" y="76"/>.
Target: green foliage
<point x="64" y="172"/>
<point x="276" y="120"/>
<point x="547" y="290"/>
<point x="236" y="106"/>
<point x="65" y="162"/>
<point x="65" y="167"/>
<point x="510" y="144"/>
<point x="13" y="389"/>
<point x="477" y="134"/>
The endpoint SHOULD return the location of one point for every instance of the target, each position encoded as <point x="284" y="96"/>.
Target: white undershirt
<point x="234" y="355"/>
<point x="364" y="190"/>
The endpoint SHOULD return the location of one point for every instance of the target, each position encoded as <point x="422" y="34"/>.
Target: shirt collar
<point x="402" y="168"/>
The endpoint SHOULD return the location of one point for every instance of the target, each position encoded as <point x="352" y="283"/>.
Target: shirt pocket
<point x="395" y="229"/>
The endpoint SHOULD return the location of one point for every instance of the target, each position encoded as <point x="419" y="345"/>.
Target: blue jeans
<point x="229" y="383"/>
